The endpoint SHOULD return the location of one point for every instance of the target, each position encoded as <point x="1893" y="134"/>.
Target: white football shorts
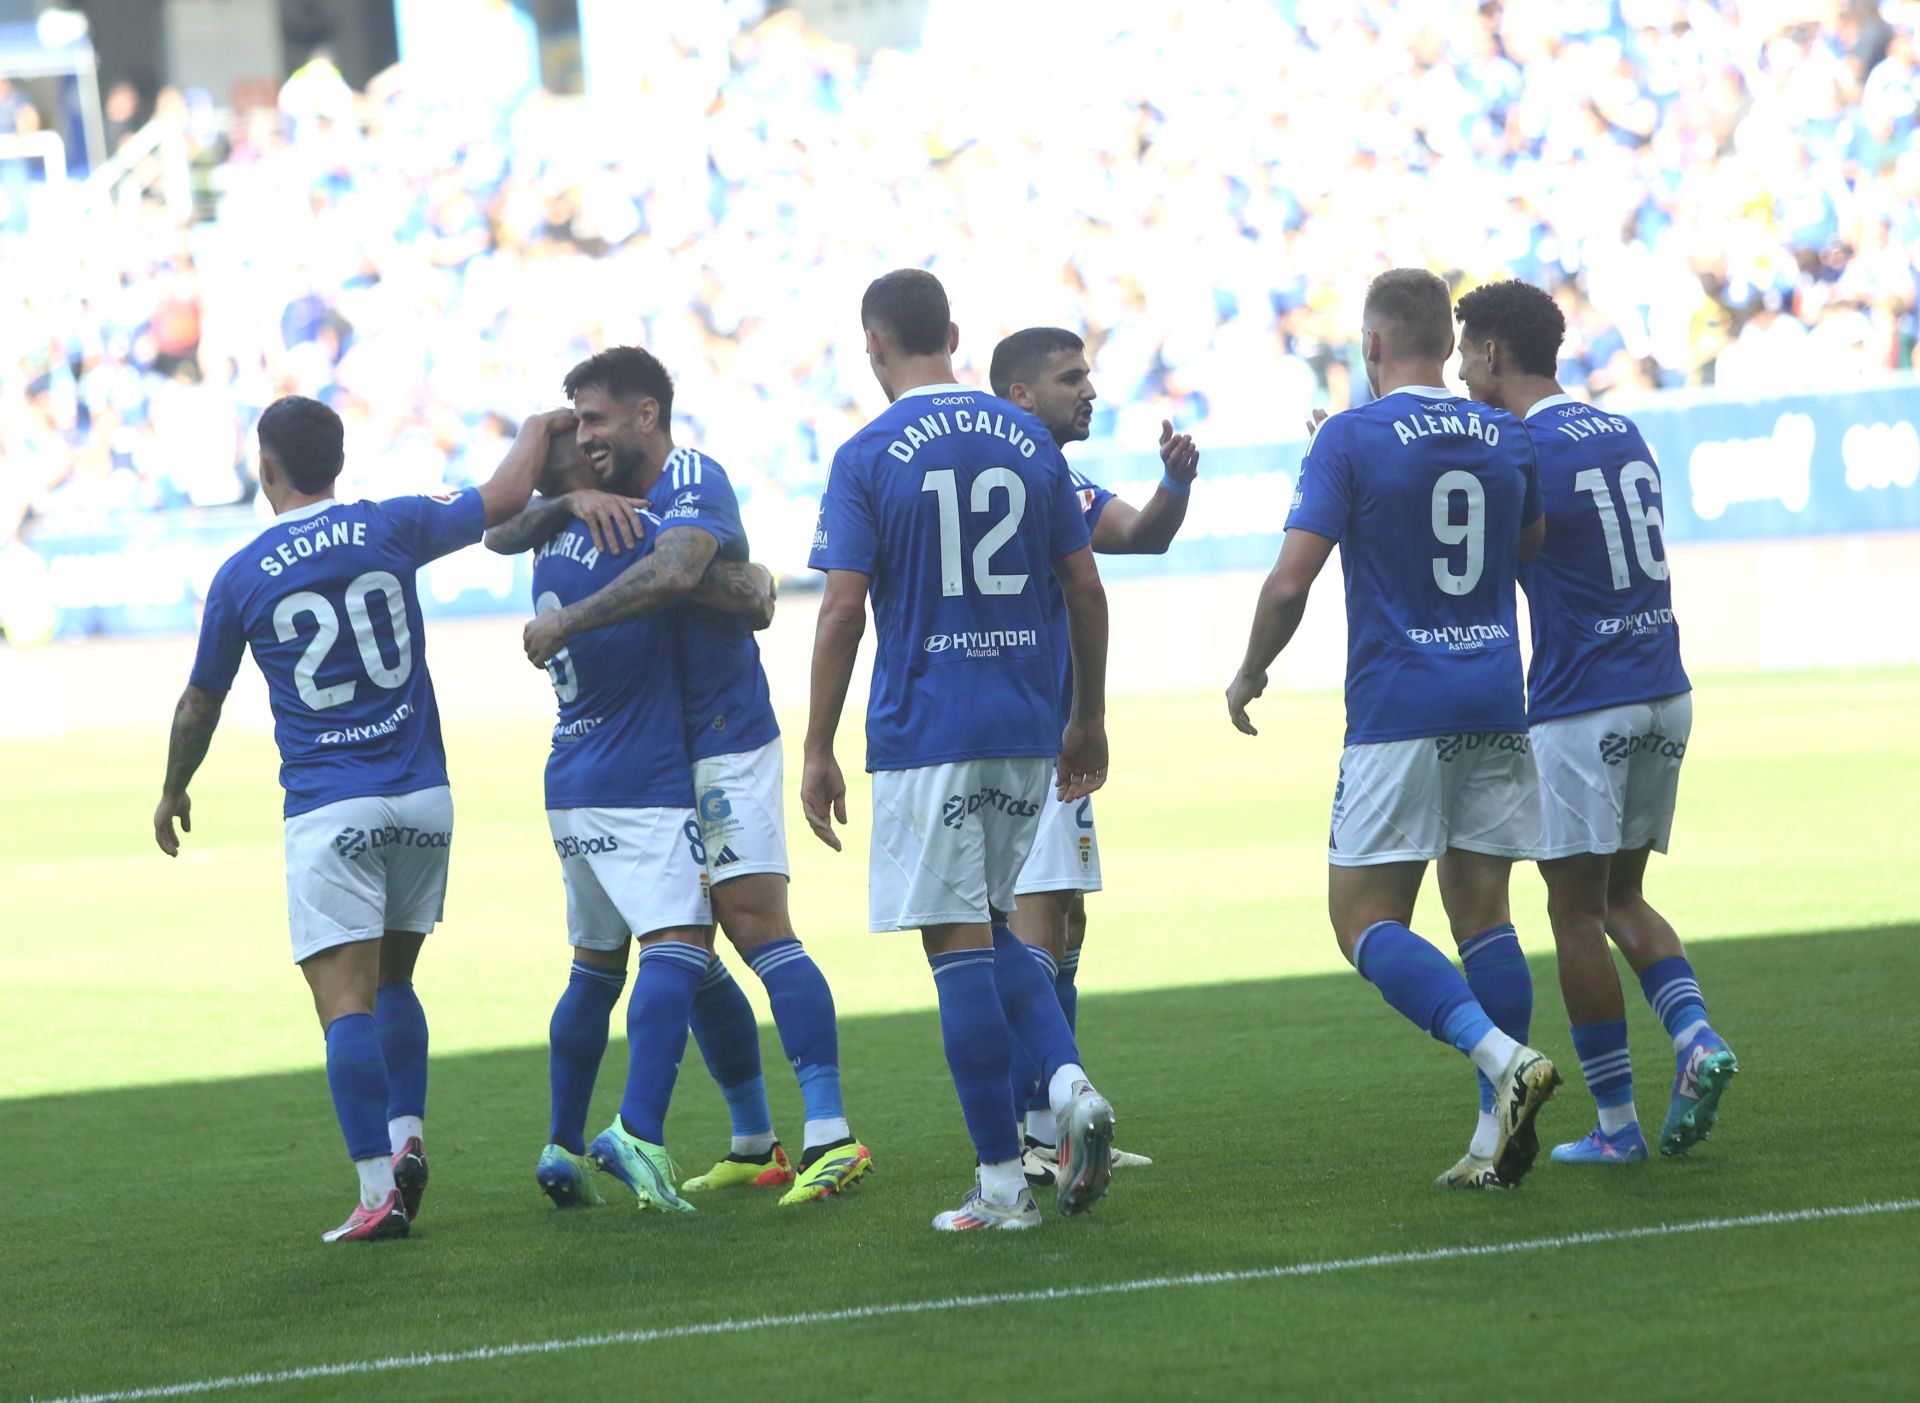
<point x="741" y="820"/>
<point x="949" y="840"/>
<point x="629" y="872"/>
<point x="358" y="868"/>
<point x="1066" y="849"/>
<point x="1411" y="800"/>
<point x="1609" y="778"/>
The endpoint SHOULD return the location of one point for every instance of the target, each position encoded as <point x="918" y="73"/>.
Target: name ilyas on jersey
<point x="1427" y="494"/>
<point x="1598" y="592"/>
<point x="326" y="599"/>
<point x="728" y="708"/>
<point x="620" y="742"/>
<point x="955" y="504"/>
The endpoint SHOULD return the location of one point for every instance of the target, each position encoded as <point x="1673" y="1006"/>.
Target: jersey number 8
<point x="327" y="632"/>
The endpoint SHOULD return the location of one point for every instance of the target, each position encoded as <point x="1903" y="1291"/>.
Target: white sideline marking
<point x="998" y="1298"/>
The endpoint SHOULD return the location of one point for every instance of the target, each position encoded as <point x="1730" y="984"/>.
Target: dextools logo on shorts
<point x="955" y="811"/>
<point x="1450" y="747"/>
<point x="351" y="843"/>
<point x="571" y="846"/>
<point x="1616" y="748"/>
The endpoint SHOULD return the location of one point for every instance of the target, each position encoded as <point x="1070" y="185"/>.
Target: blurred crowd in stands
<point x="1720" y="195"/>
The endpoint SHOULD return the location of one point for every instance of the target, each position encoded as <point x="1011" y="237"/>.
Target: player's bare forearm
<point x="1276" y="618"/>
<point x="738" y="587"/>
<point x="195" y="716"/>
<point x="1086" y="599"/>
<point x="669" y="574"/>
<point x="535" y="526"/>
<point x="836" y="644"/>
<point x="507" y="492"/>
<point x="1155" y="525"/>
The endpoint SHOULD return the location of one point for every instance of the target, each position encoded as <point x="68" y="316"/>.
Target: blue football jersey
<point x="1426" y="493"/>
<point x="1602" y="606"/>
<point x="1092" y="499"/>
<point x="955" y="504"/>
<point x="620" y="742"/>
<point x="728" y="708"/>
<point x="326" y="599"/>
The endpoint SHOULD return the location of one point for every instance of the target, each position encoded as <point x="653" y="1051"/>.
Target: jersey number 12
<point x="941" y="483"/>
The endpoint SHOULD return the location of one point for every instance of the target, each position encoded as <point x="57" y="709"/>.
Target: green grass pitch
<point x="170" y="1156"/>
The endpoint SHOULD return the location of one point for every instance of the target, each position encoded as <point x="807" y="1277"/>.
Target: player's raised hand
<point x="823" y="797"/>
<point x="172" y="806"/>
<point x="1240" y="691"/>
<point x="1082" y="767"/>
<point x="609" y="518"/>
<point x="544" y="636"/>
<point x="1179" y="456"/>
<point x="1314" y="421"/>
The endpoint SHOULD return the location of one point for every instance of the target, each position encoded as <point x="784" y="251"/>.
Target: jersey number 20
<point x="327" y="632"/>
<point x="941" y="483"/>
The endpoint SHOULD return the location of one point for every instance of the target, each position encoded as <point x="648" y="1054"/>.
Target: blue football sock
<point x="729" y="1039"/>
<point x="803" y="1013"/>
<point x="1604" y="1062"/>
<point x="1067" y="992"/>
<point x="1029" y="1087"/>
<point x="357" y="1076"/>
<point x="1675" y="995"/>
<point x="657" y="1013"/>
<point x="402" y="1024"/>
<point x="979" y="1050"/>
<point x="577" y="1037"/>
<point x="1422" y="984"/>
<point x="1032" y="1008"/>
<point x="1496" y="971"/>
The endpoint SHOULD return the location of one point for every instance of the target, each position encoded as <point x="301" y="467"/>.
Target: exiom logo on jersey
<point x="958" y="807"/>
<point x="1616" y="749"/>
<point x="1460" y="638"/>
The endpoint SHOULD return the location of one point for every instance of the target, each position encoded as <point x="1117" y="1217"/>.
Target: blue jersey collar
<point x="302" y="513"/>
<point x="1550" y="402"/>
<point x="947" y="389"/>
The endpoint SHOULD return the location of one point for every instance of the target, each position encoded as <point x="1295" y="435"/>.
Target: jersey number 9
<point x="1471" y="533"/>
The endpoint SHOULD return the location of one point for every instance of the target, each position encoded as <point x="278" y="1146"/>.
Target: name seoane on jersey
<point x="965" y="421"/>
<point x="1445" y="419"/>
<point x="311" y="538"/>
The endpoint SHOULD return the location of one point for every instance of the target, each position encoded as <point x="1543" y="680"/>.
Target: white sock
<point x="1060" y="1087"/>
<point x="825" y="1131"/>
<point x="1042" y="1126"/>
<point x="753" y="1146"/>
<point x="402" y="1129"/>
<point x="376" y="1180"/>
<point x="1683" y="1039"/>
<point x="1486" y="1135"/>
<point x="1614" y="1119"/>
<point x="1001" y="1183"/>
<point x="1492" y="1053"/>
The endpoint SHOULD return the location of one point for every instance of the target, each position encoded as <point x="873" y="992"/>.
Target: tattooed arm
<point x="739" y="587"/>
<point x="194" y="718"/>
<point x="532" y="527"/>
<point x="672" y="572"/>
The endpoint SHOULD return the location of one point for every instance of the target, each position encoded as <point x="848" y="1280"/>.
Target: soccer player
<point x="1611" y="710"/>
<point x="952" y="507"/>
<point x="1044" y="370"/>
<point x="624" y="400"/>
<point x="326" y="598"/>
<point x="619" y="791"/>
<point x="1432" y="500"/>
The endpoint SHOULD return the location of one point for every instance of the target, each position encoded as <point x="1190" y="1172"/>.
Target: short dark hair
<point x="1018" y="358"/>
<point x="1523" y="318"/>
<point x="1419" y="304"/>
<point x="911" y="307"/>
<point x="625" y="372"/>
<point x="306" y="439"/>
